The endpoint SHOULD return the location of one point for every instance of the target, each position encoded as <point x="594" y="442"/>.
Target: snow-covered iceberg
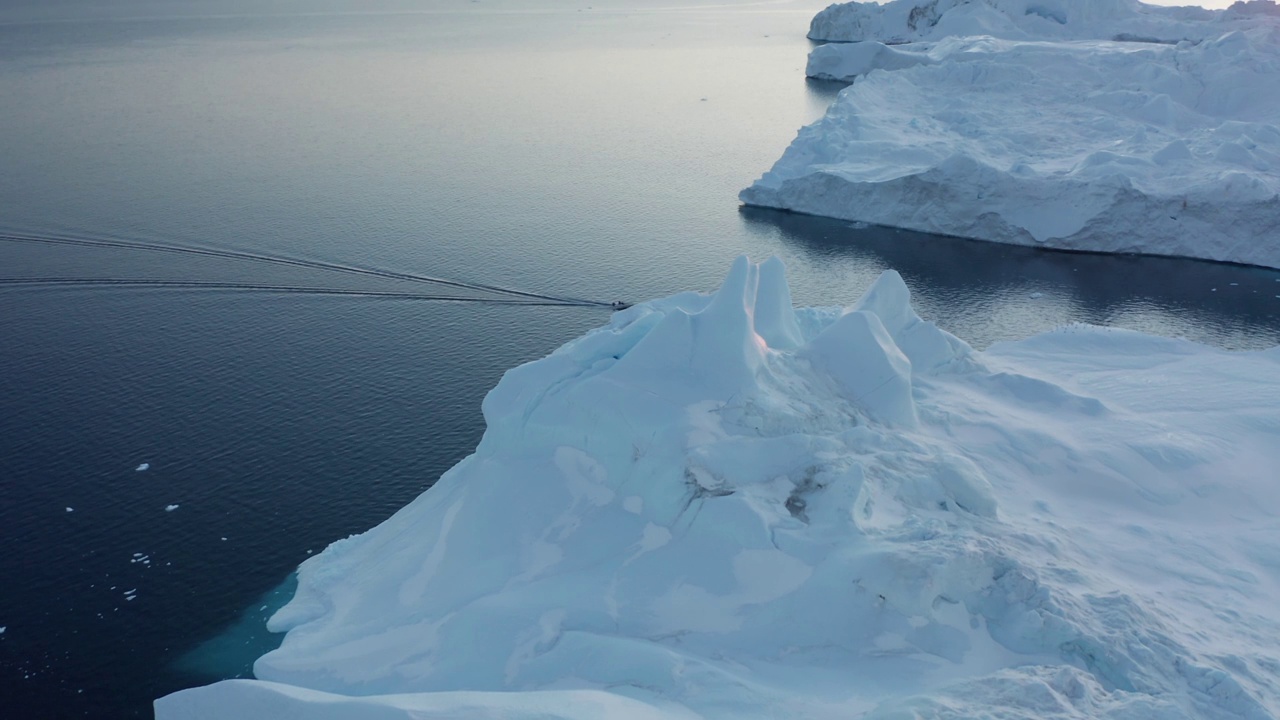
<point x="717" y="506"/>
<point x="916" y="20"/>
<point x="1028" y="122"/>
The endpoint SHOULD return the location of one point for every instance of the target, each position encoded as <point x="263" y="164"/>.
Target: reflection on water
<point x="827" y="90"/>
<point x="986" y="292"/>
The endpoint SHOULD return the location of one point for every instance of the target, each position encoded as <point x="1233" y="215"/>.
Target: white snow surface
<point x="906" y="21"/>
<point x="717" y="506"/>
<point x="1035" y="132"/>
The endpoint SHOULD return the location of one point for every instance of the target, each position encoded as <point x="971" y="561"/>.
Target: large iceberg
<point x="1101" y="125"/>
<point x="717" y="506"/>
<point x="915" y="20"/>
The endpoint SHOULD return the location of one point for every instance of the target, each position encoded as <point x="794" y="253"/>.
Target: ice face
<point x="717" y="506"/>
<point x="1035" y="132"/>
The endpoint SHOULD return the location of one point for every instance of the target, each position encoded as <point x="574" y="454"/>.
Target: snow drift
<point x="1030" y="123"/>
<point x="717" y="506"/>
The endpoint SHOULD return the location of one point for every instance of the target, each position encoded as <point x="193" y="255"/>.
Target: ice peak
<point x="858" y="352"/>
<point x="755" y="298"/>
<point x="890" y="299"/>
<point x="923" y="343"/>
<point x="723" y="339"/>
<point x="775" y="316"/>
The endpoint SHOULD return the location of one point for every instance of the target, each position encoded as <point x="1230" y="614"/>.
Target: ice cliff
<point x="1102" y="125"/>
<point x="717" y="506"/>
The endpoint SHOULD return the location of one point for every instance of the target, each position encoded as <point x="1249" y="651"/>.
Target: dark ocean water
<point x="542" y="146"/>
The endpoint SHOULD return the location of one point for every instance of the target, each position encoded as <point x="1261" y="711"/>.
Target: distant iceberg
<point x="717" y="506"/>
<point x="917" y="20"/>
<point x="1101" y="125"/>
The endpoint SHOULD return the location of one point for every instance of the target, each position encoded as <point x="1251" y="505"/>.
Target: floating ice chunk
<point x="1005" y="533"/>
<point x="1036" y="295"/>
<point x="1001" y="125"/>
<point x="3" y="628"/>
<point x="170" y="508"/>
<point x="142" y="467"/>
<point x="70" y="509"/>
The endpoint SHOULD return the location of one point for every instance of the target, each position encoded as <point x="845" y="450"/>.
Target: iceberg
<point x="907" y="21"/>
<point x="719" y="506"/>
<point x="1097" y="125"/>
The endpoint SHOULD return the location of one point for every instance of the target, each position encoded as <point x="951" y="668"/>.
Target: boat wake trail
<point x="510" y="296"/>
<point x="299" y="289"/>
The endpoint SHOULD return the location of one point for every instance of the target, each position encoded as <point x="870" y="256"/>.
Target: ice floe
<point x="1101" y="125"/>
<point x="717" y="506"/>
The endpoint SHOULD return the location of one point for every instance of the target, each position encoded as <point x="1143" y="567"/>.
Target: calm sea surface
<point x="543" y="145"/>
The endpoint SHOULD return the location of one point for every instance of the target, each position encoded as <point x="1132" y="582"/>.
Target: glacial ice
<point x="917" y="20"/>
<point x="1100" y="125"/>
<point x="718" y="506"/>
